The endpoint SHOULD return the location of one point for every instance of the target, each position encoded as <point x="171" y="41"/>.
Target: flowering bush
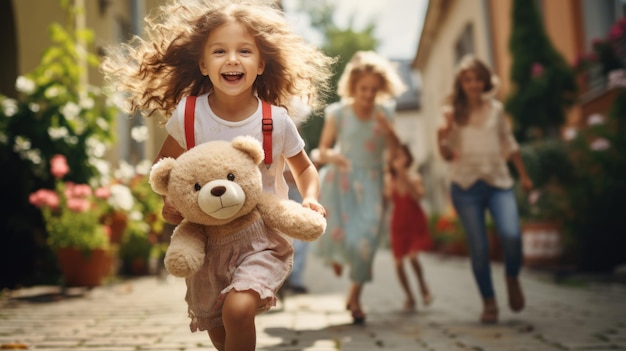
<point x="607" y="54"/>
<point x="71" y="211"/>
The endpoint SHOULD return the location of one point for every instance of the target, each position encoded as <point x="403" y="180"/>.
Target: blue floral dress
<point x="354" y="198"/>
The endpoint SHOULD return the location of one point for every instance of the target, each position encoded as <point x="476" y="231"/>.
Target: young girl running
<point x="409" y="227"/>
<point x="234" y="56"/>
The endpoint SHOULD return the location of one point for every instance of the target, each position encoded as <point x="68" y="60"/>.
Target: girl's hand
<point x="314" y="205"/>
<point x="170" y="214"/>
<point x="338" y="160"/>
<point x="526" y="183"/>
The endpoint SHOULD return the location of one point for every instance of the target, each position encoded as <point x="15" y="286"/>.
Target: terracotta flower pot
<point x="80" y="268"/>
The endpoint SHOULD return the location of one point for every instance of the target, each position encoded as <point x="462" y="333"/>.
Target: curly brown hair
<point x="155" y="72"/>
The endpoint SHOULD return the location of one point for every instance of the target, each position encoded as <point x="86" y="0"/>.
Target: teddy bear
<point x="217" y="188"/>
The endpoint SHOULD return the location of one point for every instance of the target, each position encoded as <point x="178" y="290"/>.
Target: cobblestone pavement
<point x="149" y="313"/>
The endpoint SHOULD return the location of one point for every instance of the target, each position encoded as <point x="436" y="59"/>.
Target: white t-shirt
<point x="286" y="141"/>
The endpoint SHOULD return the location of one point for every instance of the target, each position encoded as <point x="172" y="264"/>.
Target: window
<point x="465" y="43"/>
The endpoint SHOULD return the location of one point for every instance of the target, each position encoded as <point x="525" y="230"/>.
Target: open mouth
<point x="232" y="76"/>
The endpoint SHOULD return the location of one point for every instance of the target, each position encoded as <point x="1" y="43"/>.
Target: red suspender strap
<point x="268" y="127"/>
<point x="190" y="109"/>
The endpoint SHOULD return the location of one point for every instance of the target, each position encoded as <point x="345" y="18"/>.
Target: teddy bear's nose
<point x="218" y="190"/>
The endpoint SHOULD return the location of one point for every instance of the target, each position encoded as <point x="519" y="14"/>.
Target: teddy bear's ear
<point x="250" y="146"/>
<point x="160" y="175"/>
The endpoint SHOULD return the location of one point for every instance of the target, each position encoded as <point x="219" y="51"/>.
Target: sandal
<point x="428" y="299"/>
<point x="409" y="306"/>
<point x="489" y="315"/>
<point x="358" y="316"/>
<point x="516" y="295"/>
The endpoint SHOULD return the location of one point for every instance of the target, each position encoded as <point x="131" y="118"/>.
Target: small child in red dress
<point x="409" y="227"/>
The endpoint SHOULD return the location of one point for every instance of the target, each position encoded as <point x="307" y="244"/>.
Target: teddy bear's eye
<point x="230" y="177"/>
<point x="197" y="187"/>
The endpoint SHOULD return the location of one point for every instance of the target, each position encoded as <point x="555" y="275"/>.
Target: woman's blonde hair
<point x="457" y="99"/>
<point x="369" y="62"/>
<point x="155" y="72"/>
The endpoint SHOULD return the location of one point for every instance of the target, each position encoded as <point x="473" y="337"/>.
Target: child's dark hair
<point x="409" y="159"/>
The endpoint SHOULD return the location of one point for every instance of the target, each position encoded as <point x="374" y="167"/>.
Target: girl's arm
<point x="525" y="181"/>
<point x="443" y="136"/>
<point x="325" y="146"/>
<point x="170" y="148"/>
<point x="393" y="141"/>
<point x="307" y="179"/>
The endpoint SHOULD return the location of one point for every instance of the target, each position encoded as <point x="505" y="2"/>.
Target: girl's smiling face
<point x="366" y="88"/>
<point x="472" y="84"/>
<point x="231" y="59"/>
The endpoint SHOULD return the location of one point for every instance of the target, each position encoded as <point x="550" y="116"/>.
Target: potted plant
<point x="448" y="233"/>
<point x="75" y="232"/>
<point x="543" y="209"/>
<point x="140" y="239"/>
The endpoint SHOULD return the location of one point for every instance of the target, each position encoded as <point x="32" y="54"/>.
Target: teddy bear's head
<point x="214" y="182"/>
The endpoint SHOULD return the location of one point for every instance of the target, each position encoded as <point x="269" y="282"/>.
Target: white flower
<point x="534" y="196"/>
<point x="95" y="147"/>
<point x="595" y="119"/>
<point x="102" y="123"/>
<point x="9" y="107"/>
<point x="103" y="167"/>
<point x="600" y="144"/>
<point x="33" y="106"/>
<point x="143" y="167"/>
<point x="139" y="133"/>
<point x="33" y="156"/>
<point x="136" y="216"/>
<point x="71" y="140"/>
<point x="54" y="91"/>
<point x="71" y="111"/>
<point x="4" y="138"/>
<point x="21" y="144"/>
<point x="86" y="103"/>
<point x="125" y="172"/>
<point x="25" y="85"/>
<point x="58" y="133"/>
<point x="121" y="198"/>
<point x="570" y="133"/>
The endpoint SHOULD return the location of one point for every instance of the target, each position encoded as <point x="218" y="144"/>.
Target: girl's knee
<point x="240" y="307"/>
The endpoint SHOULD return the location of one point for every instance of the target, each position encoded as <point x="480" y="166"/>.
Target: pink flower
<point x="600" y="144"/>
<point x="44" y="198"/>
<point x="78" y="205"/>
<point x="536" y="70"/>
<point x="102" y="193"/>
<point x="77" y="190"/>
<point x="533" y="197"/>
<point x="58" y="166"/>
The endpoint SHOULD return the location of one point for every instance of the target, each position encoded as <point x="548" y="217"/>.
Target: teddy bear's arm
<point x="290" y="218"/>
<point x="186" y="251"/>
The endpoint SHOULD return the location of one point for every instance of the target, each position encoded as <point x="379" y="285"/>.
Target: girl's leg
<point x="354" y="303"/>
<point x="218" y="336"/>
<point x="427" y="298"/>
<point x="503" y="208"/>
<point x="409" y="304"/>
<point x="470" y="205"/>
<point x="238" y="315"/>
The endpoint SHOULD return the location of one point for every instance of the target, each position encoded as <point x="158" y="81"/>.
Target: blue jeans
<point x="470" y="205"/>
